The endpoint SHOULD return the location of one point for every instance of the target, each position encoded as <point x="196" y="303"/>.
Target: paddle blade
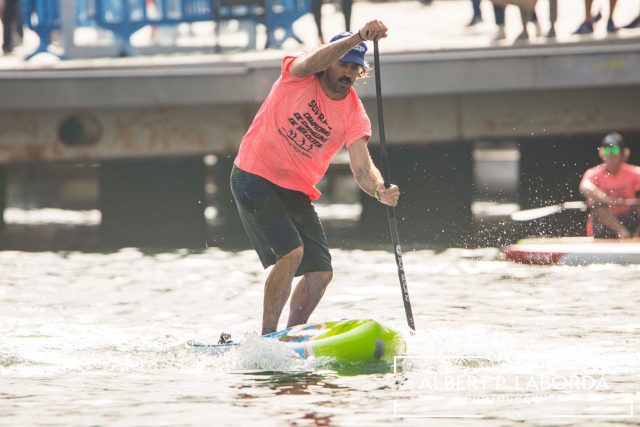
<point x="582" y="206"/>
<point x="531" y="214"/>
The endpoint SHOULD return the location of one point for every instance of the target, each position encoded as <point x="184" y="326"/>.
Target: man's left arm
<point x="368" y="176"/>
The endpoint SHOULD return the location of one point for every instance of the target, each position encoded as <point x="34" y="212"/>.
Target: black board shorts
<point x="629" y="220"/>
<point x="278" y="220"/>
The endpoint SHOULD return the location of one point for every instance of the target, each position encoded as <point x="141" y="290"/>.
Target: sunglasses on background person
<point x="611" y="150"/>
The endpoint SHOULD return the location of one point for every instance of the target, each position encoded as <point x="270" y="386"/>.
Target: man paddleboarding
<point x="610" y="189"/>
<point x="311" y="112"/>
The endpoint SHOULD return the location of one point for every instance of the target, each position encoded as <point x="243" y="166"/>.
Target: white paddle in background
<point x="531" y="214"/>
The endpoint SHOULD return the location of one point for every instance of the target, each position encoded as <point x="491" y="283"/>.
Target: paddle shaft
<point x="391" y="212"/>
<point x="537" y="213"/>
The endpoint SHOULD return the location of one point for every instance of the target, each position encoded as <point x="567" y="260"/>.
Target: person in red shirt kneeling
<point x="610" y="189"/>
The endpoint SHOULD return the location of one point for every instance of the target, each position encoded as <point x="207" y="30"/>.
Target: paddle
<point x="391" y="212"/>
<point x="531" y="214"/>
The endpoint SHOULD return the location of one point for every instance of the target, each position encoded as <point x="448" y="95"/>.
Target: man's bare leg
<point x="307" y="295"/>
<point x="278" y="287"/>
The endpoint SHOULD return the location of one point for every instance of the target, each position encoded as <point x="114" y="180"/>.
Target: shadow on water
<point x="343" y="234"/>
<point x="290" y="384"/>
<point x="294" y="383"/>
<point x="87" y="238"/>
<point x="300" y="382"/>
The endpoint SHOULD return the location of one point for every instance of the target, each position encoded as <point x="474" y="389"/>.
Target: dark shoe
<point x="597" y="17"/>
<point x="475" y="20"/>
<point x="522" y="37"/>
<point x="611" y="27"/>
<point x="7" y="49"/>
<point x="633" y="24"/>
<point x="552" y="33"/>
<point x="584" y="28"/>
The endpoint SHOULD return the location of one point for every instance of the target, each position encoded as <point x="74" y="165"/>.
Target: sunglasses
<point x="611" y="150"/>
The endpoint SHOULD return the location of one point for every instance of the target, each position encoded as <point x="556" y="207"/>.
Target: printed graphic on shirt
<point x="307" y="130"/>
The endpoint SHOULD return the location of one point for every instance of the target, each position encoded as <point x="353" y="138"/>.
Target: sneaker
<point x="611" y="27"/>
<point x="584" y="28"/>
<point x="633" y="24"/>
<point x="475" y="20"/>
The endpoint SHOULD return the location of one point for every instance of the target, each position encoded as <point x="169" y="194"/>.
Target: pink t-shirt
<point x="297" y="131"/>
<point x="624" y="184"/>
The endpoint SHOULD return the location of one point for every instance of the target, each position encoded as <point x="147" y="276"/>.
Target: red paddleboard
<point x="574" y="251"/>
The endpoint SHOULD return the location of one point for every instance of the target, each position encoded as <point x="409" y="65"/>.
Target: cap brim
<point x="356" y="59"/>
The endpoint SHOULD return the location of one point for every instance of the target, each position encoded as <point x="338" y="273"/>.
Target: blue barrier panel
<point x="243" y="10"/>
<point x="85" y="13"/>
<point x="125" y="17"/>
<point x="282" y="14"/>
<point x="173" y="12"/>
<point x="274" y="14"/>
<point x="43" y="18"/>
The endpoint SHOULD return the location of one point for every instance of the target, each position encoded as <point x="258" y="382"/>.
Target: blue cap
<point x="612" y="139"/>
<point x="356" y="54"/>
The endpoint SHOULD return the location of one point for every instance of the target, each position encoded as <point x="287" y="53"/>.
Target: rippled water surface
<point x="102" y="339"/>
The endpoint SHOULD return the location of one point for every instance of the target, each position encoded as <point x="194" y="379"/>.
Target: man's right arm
<point x="326" y="55"/>
<point x="601" y="204"/>
<point x="368" y="176"/>
<point x="590" y="191"/>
